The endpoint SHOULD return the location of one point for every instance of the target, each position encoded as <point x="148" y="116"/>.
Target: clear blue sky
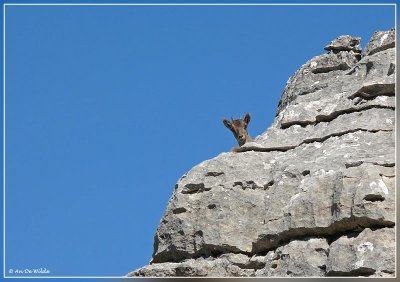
<point x="107" y="106"/>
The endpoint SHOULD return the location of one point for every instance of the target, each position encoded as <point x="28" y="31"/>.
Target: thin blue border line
<point x="200" y="4"/>
<point x="4" y="140"/>
<point x="143" y="4"/>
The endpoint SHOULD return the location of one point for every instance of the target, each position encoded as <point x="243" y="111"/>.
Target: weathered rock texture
<point x="314" y="195"/>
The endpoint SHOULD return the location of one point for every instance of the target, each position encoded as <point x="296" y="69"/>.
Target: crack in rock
<point x="362" y="271"/>
<point x="374" y="198"/>
<point x="179" y="210"/>
<point x="267" y="242"/>
<point x="384" y="164"/>
<point x="371" y="91"/>
<point x="353" y="164"/>
<point x="338" y="134"/>
<point x="359" y="163"/>
<point x="341" y="67"/>
<point x="214" y="173"/>
<point x="333" y="115"/>
<point x="191" y="188"/>
<point x="391" y="70"/>
<point x="264" y="149"/>
<point x="250" y="265"/>
<point x="306" y="141"/>
<point x="250" y="184"/>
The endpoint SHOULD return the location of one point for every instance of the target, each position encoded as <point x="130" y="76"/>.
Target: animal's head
<point x="239" y="128"/>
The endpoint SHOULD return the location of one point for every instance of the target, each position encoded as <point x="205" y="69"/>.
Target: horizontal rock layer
<point x="354" y="254"/>
<point x="314" y="195"/>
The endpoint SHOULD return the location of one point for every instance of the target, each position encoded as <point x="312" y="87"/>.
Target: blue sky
<point x="107" y="106"/>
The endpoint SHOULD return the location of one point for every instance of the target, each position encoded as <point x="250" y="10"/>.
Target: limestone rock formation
<point x="345" y="43"/>
<point x="314" y="195"/>
<point x="380" y="41"/>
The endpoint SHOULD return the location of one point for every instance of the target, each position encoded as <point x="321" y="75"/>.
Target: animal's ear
<point x="228" y="124"/>
<point x="247" y="118"/>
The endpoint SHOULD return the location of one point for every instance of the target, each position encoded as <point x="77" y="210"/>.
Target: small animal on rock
<point x="239" y="129"/>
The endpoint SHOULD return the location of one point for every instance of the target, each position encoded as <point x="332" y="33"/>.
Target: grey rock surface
<point x="381" y="40"/>
<point x="312" y="196"/>
<point x="363" y="254"/>
<point x="345" y="43"/>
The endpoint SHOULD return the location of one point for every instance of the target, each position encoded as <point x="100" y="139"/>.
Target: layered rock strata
<point x="314" y="195"/>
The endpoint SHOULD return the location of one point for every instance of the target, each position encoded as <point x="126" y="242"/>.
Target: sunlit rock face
<point x="312" y="196"/>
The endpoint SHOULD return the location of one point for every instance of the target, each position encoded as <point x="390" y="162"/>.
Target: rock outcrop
<point x="314" y="195"/>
